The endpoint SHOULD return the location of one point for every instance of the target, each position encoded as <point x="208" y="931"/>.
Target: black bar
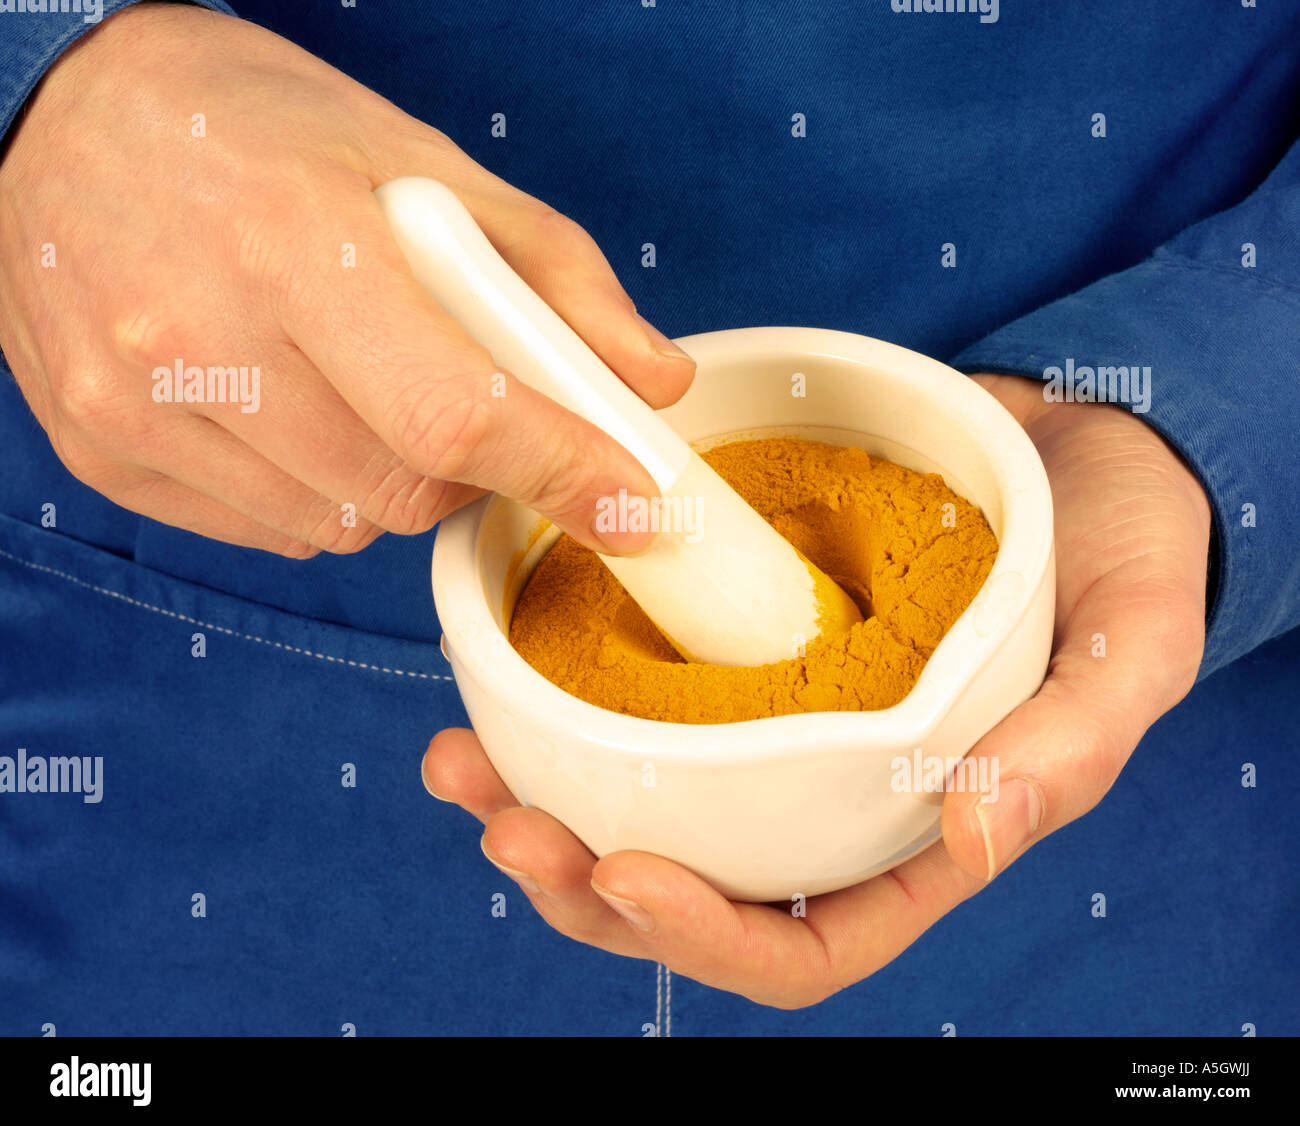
<point x="334" y="1075"/>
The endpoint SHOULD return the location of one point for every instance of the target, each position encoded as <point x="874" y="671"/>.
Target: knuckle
<point x="800" y="990"/>
<point x="298" y="549"/>
<point x="147" y="337"/>
<point x="333" y="533"/>
<point x="271" y="237"/>
<point x="1098" y="756"/>
<point x="142" y="492"/>
<point x="437" y="138"/>
<point x="81" y="399"/>
<point x="429" y="140"/>
<point x="416" y="144"/>
<point x="76" y="458"/>
<point x="802" y="998"/>
<point x="813" y="986"/>
<point x="404" y="502"/>
<point x="558" y="232"/>
<point x="443" y="431"/>
<point x="571" y="254"/>
<point x="94" y="406"/>
<point x="571" y="264"/>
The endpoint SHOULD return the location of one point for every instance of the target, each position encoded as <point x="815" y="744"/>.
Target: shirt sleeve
<point x="33" y="40"/>
<point x="1215" y="315"/>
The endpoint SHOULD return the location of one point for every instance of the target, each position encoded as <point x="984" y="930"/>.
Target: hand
<point x="136" y="234"/>
<point x="1132" y="531"/>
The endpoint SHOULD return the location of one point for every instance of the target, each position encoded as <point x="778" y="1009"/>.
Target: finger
<point x="758" y="951"/>
<point x="455" y="769"/>
<point x="1021" y="397"/>
<point x="554" y="869"/>
<point x="1057" y="755"/>
<point x="563" y="265"/>
<point x="771" y="954"/>
<point x="559" y="261"/>
<point x="548" y="862"/>
<point x="303" y="426"/>
<point x="160" y="498"/>
<point x="203" y="456"/>
<point x="433" y="395"/>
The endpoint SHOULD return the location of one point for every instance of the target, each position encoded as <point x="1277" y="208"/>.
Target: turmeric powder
<point x="910" y="552"/>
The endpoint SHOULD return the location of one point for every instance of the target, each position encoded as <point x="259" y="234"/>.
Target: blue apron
<point x="226" y="878"/>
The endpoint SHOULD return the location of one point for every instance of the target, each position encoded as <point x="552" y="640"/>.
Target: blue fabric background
<point x="671" y="125"/>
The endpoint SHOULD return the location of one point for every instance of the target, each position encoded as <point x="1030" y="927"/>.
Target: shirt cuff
<point x="1221" y="347"/>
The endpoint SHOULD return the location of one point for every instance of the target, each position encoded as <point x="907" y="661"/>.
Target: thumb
<point x="1056" y="756"/>
<point x="493" y="431"/>
<point x="435" y="398"/>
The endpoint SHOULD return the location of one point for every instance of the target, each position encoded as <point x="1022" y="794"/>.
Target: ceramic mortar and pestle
<point x="763" y="809"/>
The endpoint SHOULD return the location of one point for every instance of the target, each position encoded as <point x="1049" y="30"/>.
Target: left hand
<point x="1132" y="533"/>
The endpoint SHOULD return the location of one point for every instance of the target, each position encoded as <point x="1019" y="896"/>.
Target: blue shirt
<point x="1064" y="187"/>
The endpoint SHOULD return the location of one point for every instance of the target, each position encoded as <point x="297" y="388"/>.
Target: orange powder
<point x="910" y="552"/>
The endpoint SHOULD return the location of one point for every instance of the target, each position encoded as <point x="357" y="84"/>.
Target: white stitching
<point x="221" y="629"/>
<point x="659" y="998"/>
<point x="668" y="1003"/>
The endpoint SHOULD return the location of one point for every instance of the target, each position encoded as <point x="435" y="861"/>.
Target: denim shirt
<point x="1095" y="186"/>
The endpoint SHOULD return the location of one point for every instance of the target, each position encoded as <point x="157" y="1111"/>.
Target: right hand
<point x="227" y="249"/>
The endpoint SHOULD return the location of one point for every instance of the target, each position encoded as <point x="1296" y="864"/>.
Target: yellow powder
<point x="884" y="533"/>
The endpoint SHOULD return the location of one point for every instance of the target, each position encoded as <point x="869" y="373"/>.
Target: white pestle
<point x="720" y="583"/>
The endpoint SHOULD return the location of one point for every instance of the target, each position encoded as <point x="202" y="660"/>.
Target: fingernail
<point x="430" y="790"/>
<point x="634" y="913"/>
<point x="624" y="543"/>
<point x="524" y="880"/>
<point x="1009" y="821"/>
<point x="658" y="341"/>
